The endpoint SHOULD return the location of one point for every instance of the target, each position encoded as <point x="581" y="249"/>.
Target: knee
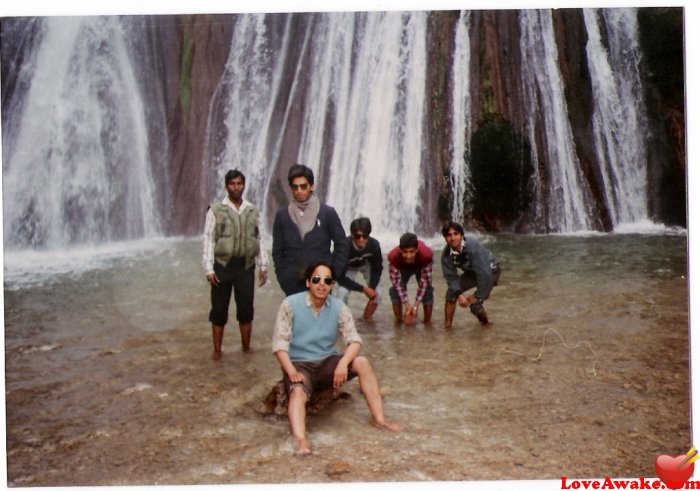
<point x="361" y="365"/>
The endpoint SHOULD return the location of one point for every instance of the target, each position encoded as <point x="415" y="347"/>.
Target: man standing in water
<point x="479" y="267"/>
<point x="304" y="343"/>
<point x="365" y="257"/>
<point x="411" y="258"/>
<point x="303" y="232"/>
<point x="232" y="245"/>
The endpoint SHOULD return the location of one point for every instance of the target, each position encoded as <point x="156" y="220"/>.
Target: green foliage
<point x="501" y="170"/>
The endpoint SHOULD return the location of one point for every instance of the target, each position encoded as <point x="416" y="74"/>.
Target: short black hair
<point x="312" y="267"/>
<point x="361" y="224"/>
<point x="299" y="170"/>
<point x="233" y="174"/>
<point x="408" y="240"/>
<point x="454" y="226"/>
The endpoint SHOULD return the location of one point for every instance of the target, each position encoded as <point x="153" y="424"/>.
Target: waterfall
<point x="619" y="125"/>
<point x="377" y="152"/>
<point x="247" y="93"/>
<point x="359" y="80"/>
<point x="567" y="194"/>
<point x="79" y="171"/>
<point x="461" y="116"/>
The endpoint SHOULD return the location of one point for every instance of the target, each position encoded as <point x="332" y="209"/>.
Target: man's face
<point x="360" y="239"/>
<point x="454" y="239"/>
<point x="409" y="254"/>
<point x="235" y="188"/>
<point x="320" y="284"/>
<point x="301" y="189"/>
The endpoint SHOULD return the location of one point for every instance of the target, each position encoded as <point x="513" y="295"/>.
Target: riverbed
<point x="584" y="373"/>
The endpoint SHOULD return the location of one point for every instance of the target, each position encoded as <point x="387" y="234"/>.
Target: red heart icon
<point x="671" y="472"/>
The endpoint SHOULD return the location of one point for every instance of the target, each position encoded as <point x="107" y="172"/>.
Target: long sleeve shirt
<point x="285" y="325"/>
<point x="209" y="238"/>
<point x="423" y="263"/>
<point x="473" y="259"/>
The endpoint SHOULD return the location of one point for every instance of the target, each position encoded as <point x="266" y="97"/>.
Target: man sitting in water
<point x="304" y="343"/>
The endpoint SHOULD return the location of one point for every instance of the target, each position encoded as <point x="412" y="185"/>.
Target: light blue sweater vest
<point x="313" y="338"/>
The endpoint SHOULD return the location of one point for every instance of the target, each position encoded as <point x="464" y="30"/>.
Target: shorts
<point x="318" y="375"/>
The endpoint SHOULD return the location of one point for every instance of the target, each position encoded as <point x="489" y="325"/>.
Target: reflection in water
<point x="109" y="380"/>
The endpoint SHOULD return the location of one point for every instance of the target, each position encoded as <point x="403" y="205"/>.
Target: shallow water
<point x="109" y="378"/>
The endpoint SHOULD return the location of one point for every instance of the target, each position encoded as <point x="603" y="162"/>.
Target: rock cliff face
<point x="181" y="64"/>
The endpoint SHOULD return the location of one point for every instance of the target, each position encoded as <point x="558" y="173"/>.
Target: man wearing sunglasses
<point x="304" y="343"/>
<point x="365" y="257"/>
<point x="232" y="246"/>
<point x="303" y="232"/>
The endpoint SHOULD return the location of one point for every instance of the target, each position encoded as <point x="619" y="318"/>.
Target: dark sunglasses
<point x="303" y="187"/>
<point x="317" y="279"/>
<point x="361" y="236"/>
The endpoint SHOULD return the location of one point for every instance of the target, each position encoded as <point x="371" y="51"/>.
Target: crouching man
<point x="304" y="343"/>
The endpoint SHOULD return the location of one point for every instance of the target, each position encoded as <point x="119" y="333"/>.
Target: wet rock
<point x="337" y="468"/>
<point x="275" y="403"/>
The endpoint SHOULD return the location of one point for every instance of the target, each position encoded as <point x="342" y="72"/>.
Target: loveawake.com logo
<point x="673" y="472"/>
<point x="609" y="483"/>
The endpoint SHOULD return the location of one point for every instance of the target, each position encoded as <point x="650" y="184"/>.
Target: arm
<point x="481" y="264"/>
<point x="286" y="364"/>
<point x="376" y="264"/>
<point x="395" y="277"/>
<point x="261" y="259"/>
<point x="449" y="270"/>
<point x="277" y="243"/>
<point x="208" y="242"/>
<point x="426" y="279"/>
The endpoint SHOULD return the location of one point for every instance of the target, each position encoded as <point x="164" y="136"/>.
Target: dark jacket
<point x="291" y="255"/>
<point x="372" y="254"/>
<point x="475" y="260"/>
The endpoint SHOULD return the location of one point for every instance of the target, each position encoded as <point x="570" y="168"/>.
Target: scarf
<point x="304" y="214"/>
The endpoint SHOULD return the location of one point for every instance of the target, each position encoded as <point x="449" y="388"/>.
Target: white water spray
<point x="619" y="123"/>
<point x="461" y="116"/>
<point x="79" y="170"/>
<point x="568" y="195"/>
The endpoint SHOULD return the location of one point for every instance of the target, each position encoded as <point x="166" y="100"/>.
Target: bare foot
<point x="388" y="425"/>
<point x="303" y="447"/>
<point x="216" y="355"/>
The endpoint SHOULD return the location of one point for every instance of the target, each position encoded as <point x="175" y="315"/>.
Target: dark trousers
<point x="233" y="278"/>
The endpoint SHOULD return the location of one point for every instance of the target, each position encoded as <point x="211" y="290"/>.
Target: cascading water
<point x="377" y="154"/>
<point x="567" y="192"/>
<point x="461" y="117"/>
<point x="345" y="93"/>
<point x="361" y="78"/>
<point x="247" y="93"/>
<point x="619" y="125"/>
<point x="79" y="171"/>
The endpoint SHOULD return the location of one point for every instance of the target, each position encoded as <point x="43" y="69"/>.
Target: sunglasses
<point x="360" y="236"/>
<point x="303" y="187"/>
<point x="317" y="279"/>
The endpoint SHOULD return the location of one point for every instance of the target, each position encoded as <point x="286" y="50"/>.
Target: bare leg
<point x="296" y="411"/>
<point x="450" y="308"/>
<point x="398" y="312"/>
<point x="369" y="310"/>
<point x="427" y="313"/>
<point x="217" y="333"/>
<point x="246" y="330"/>
<point x="369" y="385"/>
